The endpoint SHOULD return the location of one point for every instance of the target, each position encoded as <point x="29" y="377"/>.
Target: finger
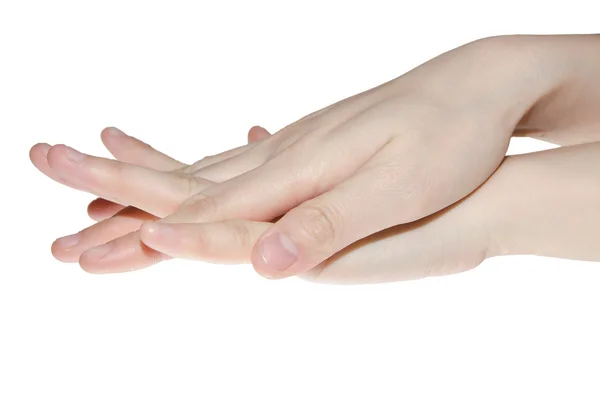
<point x="38" y="155"/>
<point x="219" y="242"/>
<point x="271" y="190"/>
<point x="405" y="252"/>
<point x="156" y="192"/>
<point x="126" y="253"/>
<point x="101" y="209"/>
<point x="304" y="171"/>
<point x="310" y="233"/>
<point x="69" y="248"/>
<point x="124" y="148"/>
<point x="234" y="162"/>
<point x="131" y="150"/>
<point x="368" y="202"/>
<point x="126" y="245"/>
<point x="257" y="133"/>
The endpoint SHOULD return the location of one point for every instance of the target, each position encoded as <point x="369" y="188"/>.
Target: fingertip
<point x="84" y="265"/>
<point x="257" y="133"/>
<point x="38" y="154"/>
<point x="109" y="134"/>
<point x="101" y="209"/>
<point x="54" y="155"/>
<point x="112" y="132"/>
<point x="94" y="212"/>
<point x="60" y="253"/>
<point x="88" y="261"/>
<point x="41" y="148"/>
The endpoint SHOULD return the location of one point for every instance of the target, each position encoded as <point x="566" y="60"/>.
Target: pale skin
<point x="390" y="184"/>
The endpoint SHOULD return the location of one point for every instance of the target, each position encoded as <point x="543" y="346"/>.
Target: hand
<point x="115" y="219"/>
<point x="543" y="203"/>
<point x="133" y="151"/>
<point x="432" y="82"/>
<point x="393" y="154"/>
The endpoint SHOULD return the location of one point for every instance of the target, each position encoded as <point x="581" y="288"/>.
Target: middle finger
<point x="157" y="192"/>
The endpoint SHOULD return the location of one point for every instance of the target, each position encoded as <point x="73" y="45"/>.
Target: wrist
<point x="545" y="203"/>
<point x="521" y="75"/>
<point x="570" y="114"/>
<point x="495" y="81"/>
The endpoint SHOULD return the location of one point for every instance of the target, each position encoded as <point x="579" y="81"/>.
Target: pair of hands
<point x="385" y="185"/>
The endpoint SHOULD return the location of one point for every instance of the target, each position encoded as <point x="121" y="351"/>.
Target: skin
<point x="115" y="220"/>
<point x="533" y="204"/>
<point x="328" y="209"/>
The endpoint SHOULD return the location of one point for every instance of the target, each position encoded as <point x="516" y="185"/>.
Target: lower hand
<point x="543" y="203"/>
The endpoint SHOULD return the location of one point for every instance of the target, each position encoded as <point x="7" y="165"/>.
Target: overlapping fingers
<point x="134" y="151"/>
<point x="448" y="242"/>
<point x="38" y="155"/>
<point x="100" y="209"/>
<point x="282" y="183"/>
<point x="157" y="192"/>
<point x="117" y="221"/>
<point x="231" y="163"/>
<point x="127" y="220"/>
<point x="219" y="242"/>
<point x="124" y="254"/>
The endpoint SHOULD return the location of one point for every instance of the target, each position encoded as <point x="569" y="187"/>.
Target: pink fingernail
<point x="73" y="155"/>
<point x="67" y="241"/>
<point x="278" y="252"/>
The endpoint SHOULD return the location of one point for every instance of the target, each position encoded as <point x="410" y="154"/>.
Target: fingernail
<point x="278" y="252"/>
<point x="67" y="241"/>
<point x="100" y="253"/>
<point x="114" y="131"/>
<point x="73" y="155"/>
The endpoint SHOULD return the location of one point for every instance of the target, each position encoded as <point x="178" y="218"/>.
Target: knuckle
<point x="191" y="184"/>
<point x="198" y="165"/>
<point x="319" y="225"/>
<point x="202" y="207"/>
<point x="200" y="239"/>
<point x="241" y="234"/>
<point x="118" y="169"/>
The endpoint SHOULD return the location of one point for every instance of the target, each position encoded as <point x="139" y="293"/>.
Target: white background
<point x="191" y="78"/>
